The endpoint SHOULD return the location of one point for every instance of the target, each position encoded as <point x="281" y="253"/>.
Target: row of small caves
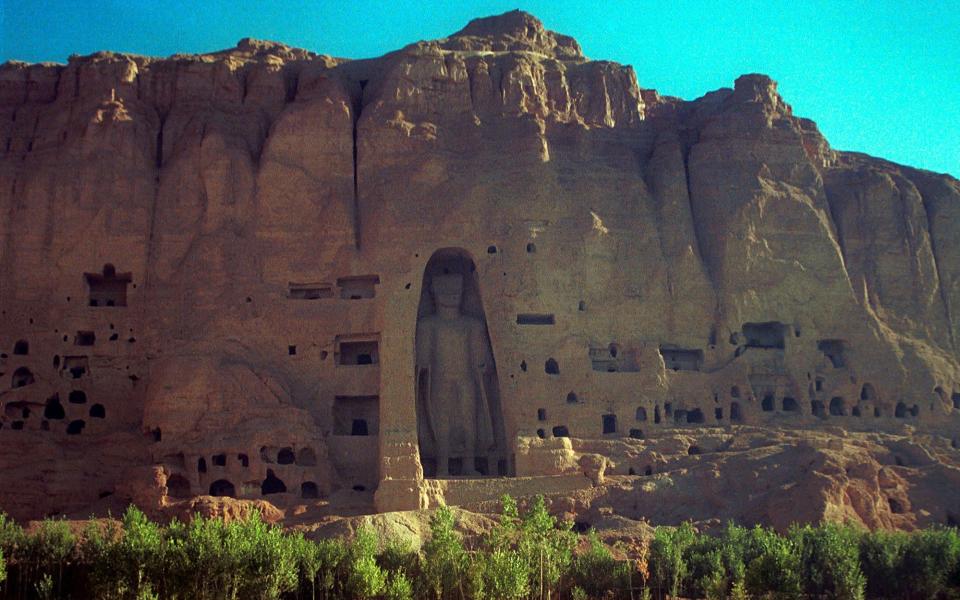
<point x="105" y="289"/>
<point x="178" y="486"/>
<point x="17" y="413"/>
<point x="349" y="351"/>
<point x="352" y="416"/>
<point x="611" y="359"/>
<point x="762" y="336"/>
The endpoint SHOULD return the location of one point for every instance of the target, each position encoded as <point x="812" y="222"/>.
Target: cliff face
<point x="211" y="268"/>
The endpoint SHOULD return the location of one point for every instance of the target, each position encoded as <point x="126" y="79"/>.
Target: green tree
<point x="444" y="557"/>
<point x="880" y="555"/>
<point x="929" y="559"/>
<point x="12" y="540"/>
<point x="713" y="582"/>
<point x="398" y="556"/>
<point x="669" y="569"/>
<point x="545" y="547"/>
<point x="365" y="579"/>
<point x="829" y="561"/>
<point x="705" y="566"/>
<point x="504" y="535"/>
<point x="50" y="548"/>
<point x="734" y="551"/>
<point x="263" y="556"/>
<point x="504" y="574"/>
<point x="499" y="571"/>
<point x="775" y="570"/>
<point x="597" y="572"/>
<point x="94" y="557"/>
<point x="332" y="556"/>
<point x="138" y="551"/>
<point x="398" y="587"/>
<point x="307" y="556"/>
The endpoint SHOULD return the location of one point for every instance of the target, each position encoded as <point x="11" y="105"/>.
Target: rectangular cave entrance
<point x="309" y="291"/>
<point x="359" y="287"/>
<point x="680" y="359"/>
<point x="835" y="351"/>
<point x="354" y="443"/>
<point x="356" y="415"/>
<point x="74" y="367"/>
<point x="535" y="319"/>
<point x="764" y="335"/>
<point x="357" y="351"/>
<point x="613" y="359"/>
<point x="108" y="288"/>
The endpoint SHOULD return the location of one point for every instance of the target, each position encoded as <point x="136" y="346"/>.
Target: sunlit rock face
<point x="219" y="272"/>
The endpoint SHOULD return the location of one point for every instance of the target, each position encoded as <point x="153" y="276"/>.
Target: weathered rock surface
<point x="212" y="269"/>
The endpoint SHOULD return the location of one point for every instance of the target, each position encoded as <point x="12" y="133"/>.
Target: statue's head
<point x="447" y="290"/>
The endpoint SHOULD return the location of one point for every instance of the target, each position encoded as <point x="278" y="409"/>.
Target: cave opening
<point x="609" y="423"/>
<point x="272" y="484"/>
<point x="838" y="407"/>
<point x="178" y="486"/>
<point x="222" y="487"/>
<point x="308" y="490"/>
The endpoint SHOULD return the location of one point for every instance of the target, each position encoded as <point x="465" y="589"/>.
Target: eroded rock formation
<point x="213" y="267"/>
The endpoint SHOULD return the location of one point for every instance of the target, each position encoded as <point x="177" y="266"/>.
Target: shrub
<point x="331" y="554"/>
<point x="597" y="572"/>
<point x="94" y="551"/>
<point x="829" y="561"/>
<point x="929" y="559"/>
<point x="264" y="564"/>
<point x="527" y="555"/>
<point x="545" y="547"/>
<point x="504" y="535"/>
<point x="12" y="536"/>
<point x="775" y="571"/>
<point x="707" y="575"/>
<point x="880" y="555"/>
<point x="735" y="551"/>
<point x="668" y="567"/>
<point x="137" y="553"/>
<point x="49" y="551"/>
<point x="444" y="557"/>
<point x="398" y="556"/>
<point x="713" y="581"/>
<point x="398" y="587"/>
<point x="365" y="578"/>
<point x="504" y="575"/>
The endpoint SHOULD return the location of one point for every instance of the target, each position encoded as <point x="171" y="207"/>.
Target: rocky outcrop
<point x="212" y="267"/>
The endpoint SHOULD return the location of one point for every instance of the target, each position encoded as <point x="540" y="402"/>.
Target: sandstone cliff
<point x="212" y="266"/>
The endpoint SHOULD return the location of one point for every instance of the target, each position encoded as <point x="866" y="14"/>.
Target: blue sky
<point x="880" y="77"/>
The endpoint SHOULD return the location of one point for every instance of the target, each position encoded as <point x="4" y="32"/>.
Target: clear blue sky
<point x="881" y="77"/>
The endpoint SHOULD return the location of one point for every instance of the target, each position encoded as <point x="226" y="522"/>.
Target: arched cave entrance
<point x="308" y="490"/>
<point x="459" y="418"/>
<point x="272" y="484"/>
<point x="222" y="487"/>
<point x="21" y="377"/>
<point x="178" y="486"/>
